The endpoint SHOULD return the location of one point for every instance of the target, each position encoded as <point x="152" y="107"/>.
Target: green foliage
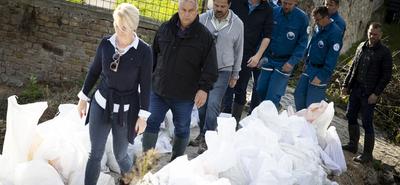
<point x="159" y="10"/>
<point x="77" y="1"/>
<point x="32" y="92"/>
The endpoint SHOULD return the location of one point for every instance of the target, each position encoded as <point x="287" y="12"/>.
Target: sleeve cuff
<point x="144" y="114"/>
<point x="235" y="75"/>
<point x="82" y="96"/>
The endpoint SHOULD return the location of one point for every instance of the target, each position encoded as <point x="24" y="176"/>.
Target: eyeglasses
<point x="115" y="63"/>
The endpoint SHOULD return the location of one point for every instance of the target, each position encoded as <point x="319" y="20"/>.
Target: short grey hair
<point x="192" y="1"/>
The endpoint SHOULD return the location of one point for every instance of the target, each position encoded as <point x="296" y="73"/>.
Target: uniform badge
<point x="321" y="44"/>
<point x="290" y="35"/>
<point x="336" y="47"/>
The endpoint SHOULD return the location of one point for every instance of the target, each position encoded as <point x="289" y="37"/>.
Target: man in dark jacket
<point x="185" y="69"/>
<point x="368" y="76"/>
<point x="257" y="19"/>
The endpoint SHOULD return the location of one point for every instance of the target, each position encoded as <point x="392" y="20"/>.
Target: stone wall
<point x="53" y="40"/>
<point x="356" y="13"/>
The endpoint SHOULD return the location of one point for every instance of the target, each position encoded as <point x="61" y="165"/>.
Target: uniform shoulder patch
<point x="336" y="47"/>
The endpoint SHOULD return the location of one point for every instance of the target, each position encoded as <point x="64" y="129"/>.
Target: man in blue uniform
<point x="333" y="6"/>
<point x="289" y="40"/>
<point x="321" y="58"/>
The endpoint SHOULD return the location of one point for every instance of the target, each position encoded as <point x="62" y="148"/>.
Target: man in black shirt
<point x="257" y="19"/>
<point x="368" y="76"/>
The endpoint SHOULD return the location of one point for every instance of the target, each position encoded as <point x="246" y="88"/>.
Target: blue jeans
<point x="358" y="101"/>
<point x="209" y="112"/>
<point x="238" y="93"/>
<point x="272" y="82"/>
<point x="98" y="131"/>
<point x="307" y="93"/>
<point x="181" y="113"/>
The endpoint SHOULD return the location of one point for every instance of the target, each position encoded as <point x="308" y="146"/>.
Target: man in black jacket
<point x="184" y="71"/>
<point x="368" y="76"/>
<point x="258" y="22"/>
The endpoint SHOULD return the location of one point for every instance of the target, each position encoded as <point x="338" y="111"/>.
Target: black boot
<point x="202" y="146"/>
<point x="179" y="147"/>
<point x="366" y="156"/>
<point x="354" y="135"/>
<point x="196" y="141"/>
<point x="237" y="111"/>
<point x="149" y="141"/>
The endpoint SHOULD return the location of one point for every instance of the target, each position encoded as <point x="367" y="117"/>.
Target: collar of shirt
<point x="221" y="24"/>
<point x="322" y="28"/>
<point x="374" y="47"/>
<point x="334" y="14"/>
<point x="288" y="14"/>
<point x="252" y="6"/>
<point x="134" y="43"/>
<point x="182" y="32"/>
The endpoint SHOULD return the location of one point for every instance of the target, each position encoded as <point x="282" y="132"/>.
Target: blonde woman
<point x="122" y="63"/>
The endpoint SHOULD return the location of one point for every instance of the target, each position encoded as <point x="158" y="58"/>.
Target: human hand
<point x="316" y="81"/>
<point x="372" y="99"/>
<point x="82" y="105"/>
<point x="232" y="82"/>
<point x="253" y="61"/>
<point x="200" y="98"/>
<point x="287" y="68"/>
<point x="140" y="125"/>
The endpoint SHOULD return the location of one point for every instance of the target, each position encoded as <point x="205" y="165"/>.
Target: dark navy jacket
<point x="289" y="36"/>
<point x="323" y="52"/>
<point x="257" y="24"/>
<point x="121" y="87"/>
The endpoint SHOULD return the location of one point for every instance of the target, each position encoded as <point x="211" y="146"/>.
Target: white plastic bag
<point x="36" y="172"/>
<point x="334" y="150"/>
<point x="20" y="129"/>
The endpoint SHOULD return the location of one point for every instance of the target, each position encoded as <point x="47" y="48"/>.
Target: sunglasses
<point x="115" y="63"/>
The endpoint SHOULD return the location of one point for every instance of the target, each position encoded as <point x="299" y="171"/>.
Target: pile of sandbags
<point x="271" y="148"/>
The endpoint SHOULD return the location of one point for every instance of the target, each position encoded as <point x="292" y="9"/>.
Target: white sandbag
<point x="65" y="141"/>
<point x="221" y="181"/>
<point x="238" y="175"/>
<point x="6" y="171"/>
<point x="330" y="166"/>
<point x="20" y="129"/>
<point x="334" y="150"/>
<point x="322" y="122"/>
<point x="36" y="172"/>
<point x="168" y="125"/>
<point x="163" y="144"/>
<point x="136" y="149"/>
<point x="77" y="177"/>
<point x="220" y="155"/>
<point x="105" y="179"/>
